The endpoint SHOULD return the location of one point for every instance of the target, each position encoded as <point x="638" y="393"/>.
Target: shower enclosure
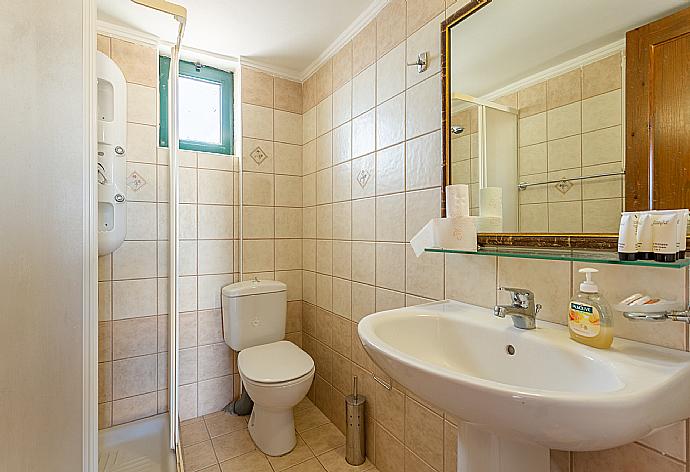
<point x="148" y="444"/>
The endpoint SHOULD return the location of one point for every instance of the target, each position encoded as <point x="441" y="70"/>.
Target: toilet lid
<point x="277" y="362"/>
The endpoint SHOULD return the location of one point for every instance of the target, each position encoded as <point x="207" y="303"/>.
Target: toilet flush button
<point x="256" y="322"/>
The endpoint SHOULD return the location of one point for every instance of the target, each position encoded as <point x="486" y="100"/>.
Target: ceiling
<point x="285" y="35"/>
<point x="510" y="40"/>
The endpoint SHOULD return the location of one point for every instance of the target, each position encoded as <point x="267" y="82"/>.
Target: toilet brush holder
<point x="355" y="444"/>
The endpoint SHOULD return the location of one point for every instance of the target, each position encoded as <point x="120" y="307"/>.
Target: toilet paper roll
<point x="489" y="224"/>
<point x="457" y="233"/>
<point x="457" y="200"/>
<point x="491" y="201"/>
<point x="449" y="233"/>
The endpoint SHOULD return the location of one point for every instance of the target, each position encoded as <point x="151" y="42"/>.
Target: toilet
<point x="276" y="373"/>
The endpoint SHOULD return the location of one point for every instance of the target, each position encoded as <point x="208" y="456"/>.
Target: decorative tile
<point x="564" y="185"/>
<point x="135" y="181"/>
<point x="258" y="155"/>
<point x="363" y="177"/>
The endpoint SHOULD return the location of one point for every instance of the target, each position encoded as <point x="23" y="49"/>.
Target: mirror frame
<point x="597" y="241"/>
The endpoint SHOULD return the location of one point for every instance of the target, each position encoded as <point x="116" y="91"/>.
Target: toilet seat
<point x="275" y="363"/>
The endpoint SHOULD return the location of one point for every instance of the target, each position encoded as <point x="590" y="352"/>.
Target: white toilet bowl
<point x="277" y="376"/>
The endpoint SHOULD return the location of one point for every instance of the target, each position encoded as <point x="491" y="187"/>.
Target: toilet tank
<point x="254" y="313"/>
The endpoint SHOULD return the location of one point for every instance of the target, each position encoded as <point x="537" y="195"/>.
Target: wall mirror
<point x="535" y="111"/>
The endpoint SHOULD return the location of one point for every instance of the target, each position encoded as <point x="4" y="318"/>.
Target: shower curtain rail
<point x="524" y="185"/>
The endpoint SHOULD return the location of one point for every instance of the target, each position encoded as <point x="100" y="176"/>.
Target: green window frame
<point x="207" y="74"/>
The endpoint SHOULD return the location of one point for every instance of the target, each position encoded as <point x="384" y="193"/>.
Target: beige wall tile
<point x="390" y="26"/>
<point x="288" y="159"/>
<point x="423" y="162"/>
<point x="342" y="259"/>
<point x="324" y="151"/>
<point x="565" y="153"/>
<point x="390" y="452"/>
<point x="342" y="300"/>
<point x="390" y="266"/>
<point x="309" y="190"/>
<point x="288" y="191"/>
<point x="288" y="222"/>
<point x="258" y="189"/>
<point x="364" y="91"/>
<point x="564" y="89"/>
<point x="324" y="221"/>
<point x="134" y="376"/>
<point x="426" y="439"/>
<point x="324" y="291"/>
<point x="564" y="121"/>
<point x="215" y="221"/>
<point x="390" y="74"/>
<point x="257" y="87"/>
<point x="532" y="100"/>
<point x="601" y="216"/>
<point x="601" y="111"/>
<point x="342" y="182"/>
<point x="342" y="104"/>
<point x="364" y="48"/>
<point x="215" y="360"/>
<point x="419" y="12"/>
<point x="471" y="279"/>
<point x="390" y="122"/>
<point x="533" y="159"/>
<point x="390" y="213"/>
<point x="342" y="220"/>
<point x="258" y="255"/>
<point x="209" y="289"/>
<point x="549" y="280"/>
<point x="214" y="394"/>
<point x="342" y="66"/>
<point x="105" y="381"/>
<point x="134" y="337"/>
<point x="390" y="169"/>
<point x="287" y="127"/>
<point x="625" y="458"/>
<point x="259" y="222"/>
<point x="363" y="262"/>
<point x="215" y="187"/>
<point x="324" y="186"/>
<point x="324" y="116"/>
<point x="324" y="256"/>
<point x="139" y="63"/>
<point x="141" y="143"/>
<point x="134" y="298"/>
<point x="134" y="408"/>
<point x="364" y="134"/>
<point x="420" y="207"/>
<point x="389" y="299"/>
<point x="669" y="440"/>
<point x="532" y="129"/>
<point x="602" y="76"/>
<point x="135" y="260"/>
<point x="287" y="95"/>
<point x="424" y="274"/>
<point x="309" y="93"/>
<point x="565" y="217"/>
<point x="141" y="104"/>
<point x="601" y="146"/>
<point x="534" y="218"/>
<point x="324" y="81"/>
<point x="309" y="125"/>
<point x="423" y="110"/>
<point x="188" y="372"/>
<point x="257" y="122"/>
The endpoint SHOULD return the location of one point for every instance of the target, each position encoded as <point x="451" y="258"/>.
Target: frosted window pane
<point x="199" y="111"/>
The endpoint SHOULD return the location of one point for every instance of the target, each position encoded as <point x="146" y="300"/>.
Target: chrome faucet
<point x="523" y="309"/>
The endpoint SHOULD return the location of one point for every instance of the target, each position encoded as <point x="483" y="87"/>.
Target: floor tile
<point x="193" y="433"/>
<point x="252" y="462"/>
<point x="224" y="423"/>
<point x="308" y="418"/>
<point x="300" y="453"/>
<point x="232" y="445"/>
<point x="323" y="438"/>
<point x="311" y="465"/>
<point x="198" y="456"/>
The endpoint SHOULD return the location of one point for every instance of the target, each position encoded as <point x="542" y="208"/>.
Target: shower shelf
<point x="573" y="255"/>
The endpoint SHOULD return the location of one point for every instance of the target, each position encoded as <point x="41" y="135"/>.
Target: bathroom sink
<point x="533" y="386"/>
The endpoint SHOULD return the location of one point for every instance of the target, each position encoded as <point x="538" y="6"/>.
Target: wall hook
<point x="422" y="62"/>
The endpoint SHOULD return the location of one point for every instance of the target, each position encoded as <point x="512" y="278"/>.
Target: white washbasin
<point x="552" y="391"/>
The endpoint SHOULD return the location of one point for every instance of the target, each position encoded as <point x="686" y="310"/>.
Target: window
<point x="205" y="104"/>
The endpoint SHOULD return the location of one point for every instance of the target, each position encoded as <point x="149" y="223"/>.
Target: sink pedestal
<point x="482" y="451"/>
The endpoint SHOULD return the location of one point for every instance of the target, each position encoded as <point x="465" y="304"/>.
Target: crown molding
<point x="562" y="68"/>
<point x="124" y="32"/>
<point x="358" y="25"/>
<point x="276" y="71"/>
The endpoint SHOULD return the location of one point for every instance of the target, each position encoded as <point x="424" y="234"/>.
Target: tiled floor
<point x="220" y="442"/>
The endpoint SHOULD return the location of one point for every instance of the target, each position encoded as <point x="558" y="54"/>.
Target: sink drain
<point x="510" y="349"/>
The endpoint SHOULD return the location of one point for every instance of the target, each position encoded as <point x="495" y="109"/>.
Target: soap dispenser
<point x="590" y="319"/>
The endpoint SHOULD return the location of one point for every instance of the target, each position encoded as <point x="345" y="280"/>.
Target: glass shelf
<point x="575" y="255"/>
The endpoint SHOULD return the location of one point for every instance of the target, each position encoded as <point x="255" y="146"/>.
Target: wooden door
<point x="658" y="114"/>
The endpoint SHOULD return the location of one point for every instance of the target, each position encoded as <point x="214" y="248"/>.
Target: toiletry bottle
<point x="590" y="319"/>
